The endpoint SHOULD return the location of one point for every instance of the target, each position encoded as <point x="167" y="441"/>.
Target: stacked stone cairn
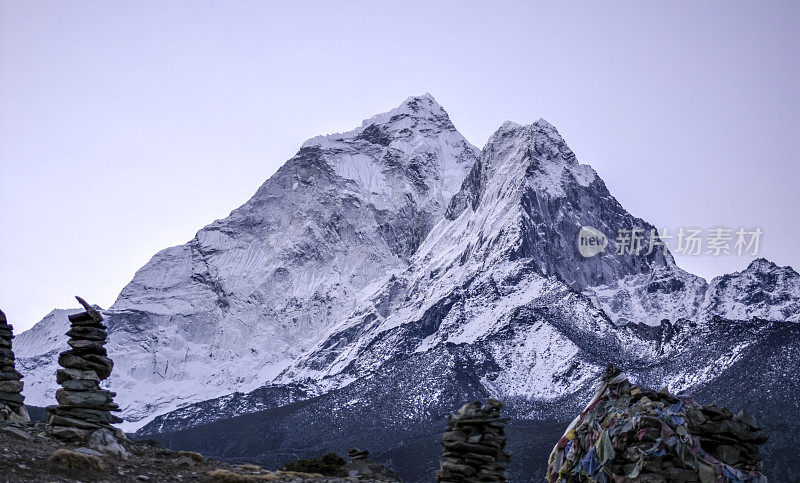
<point x="628" y="433"/>
<point x="474" y="444"/>
<point x="11" y="400"/>
<point x="356" y="454"/>
<point x="84" y="409"/>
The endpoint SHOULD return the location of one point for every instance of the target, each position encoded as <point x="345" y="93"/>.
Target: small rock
<point x="89" y="451"/>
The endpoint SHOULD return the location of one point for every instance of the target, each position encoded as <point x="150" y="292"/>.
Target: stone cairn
<point x="628" y="433"/>
<point x="11" y="400"/>
<point x="356" y="454"/>
<point x="474" y="444"/>
<point x="84" y="410"/>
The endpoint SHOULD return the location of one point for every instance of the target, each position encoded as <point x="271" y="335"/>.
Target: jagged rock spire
<point x="11" y="398"/>
<point x="84" y="409"/>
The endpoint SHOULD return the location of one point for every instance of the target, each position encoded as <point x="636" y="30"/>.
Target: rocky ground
<point x="27" y="454"/>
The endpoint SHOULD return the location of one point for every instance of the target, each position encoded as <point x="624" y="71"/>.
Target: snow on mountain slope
<point x="763" y="290"/>
<point x="231" y="308"/>
<point x="492" y="256"/>
<point x="46" y="336"/>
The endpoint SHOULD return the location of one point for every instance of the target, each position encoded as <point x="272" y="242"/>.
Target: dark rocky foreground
<point x="29" y="454"/>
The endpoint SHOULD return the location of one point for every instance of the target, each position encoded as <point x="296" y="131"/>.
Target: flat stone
<point x="454" y="436"/>
<point x="87" y="344"/>
<point x="463" y="447"/>
<point x="68" y="433"/>
<point x="81" y="385"/>
<point x="80" y="317"/>
<point x="89" y="323"/>
<point x="12" y="397"/>
<point x="100" y="364"/>
<point x="70" y="374"/>
<point x="56" y="420"/>
<point x="10" y="376"/>
<point x="88" y="333"/>
<point x="86" y="414"/>
<point x="105" y="407"/>
<point x="460" y="469"/>
<point x="83" y="398"/>
<point x="483" y="458"/>
<point x="11" y="386"/>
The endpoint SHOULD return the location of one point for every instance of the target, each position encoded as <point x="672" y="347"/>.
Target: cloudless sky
<point x="127" y="126"/>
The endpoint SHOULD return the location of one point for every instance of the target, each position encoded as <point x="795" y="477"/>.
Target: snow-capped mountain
<point x="481" y="312"/>
<point x="397" y="264"/>
<point x="249" y="293"/>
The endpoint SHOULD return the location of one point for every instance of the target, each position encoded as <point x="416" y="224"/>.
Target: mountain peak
<point x="761" y="264"/>
<point x="423" y="106"/>
<point x="425" y="98"/>
<point x="412" y="113"/>
<point x="541" y="134"/>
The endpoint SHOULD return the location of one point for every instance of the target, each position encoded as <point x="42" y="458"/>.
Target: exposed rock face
<point x="12" y="406"/>
<point x="628" y="433"/>
<point x="474" y="444"/>
<point x="84" y="409"/>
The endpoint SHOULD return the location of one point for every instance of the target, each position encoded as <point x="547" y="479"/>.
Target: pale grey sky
<point x="127" y="126"/>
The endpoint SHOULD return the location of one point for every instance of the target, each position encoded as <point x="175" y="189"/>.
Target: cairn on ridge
<point x="11" y="400"/>
<point x="84" y="409"/>
<point x="474" y="444"/>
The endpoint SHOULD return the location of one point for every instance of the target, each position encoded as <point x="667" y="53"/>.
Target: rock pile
<point x="11" y="400"/>
<point x="356" y="454"/>
<point x="474" y="444"/>
<point x="628" y="433"/>
<point x="84" y="409"/>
